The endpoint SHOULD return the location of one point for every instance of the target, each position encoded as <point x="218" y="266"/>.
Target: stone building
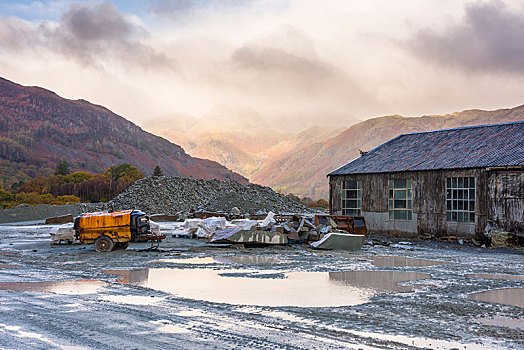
<point x="453" y="182"/>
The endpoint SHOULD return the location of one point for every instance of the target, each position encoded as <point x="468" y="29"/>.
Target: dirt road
<point x="418" y="295"/>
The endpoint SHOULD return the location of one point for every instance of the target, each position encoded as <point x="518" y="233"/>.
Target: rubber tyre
<point x="104" y="244"/>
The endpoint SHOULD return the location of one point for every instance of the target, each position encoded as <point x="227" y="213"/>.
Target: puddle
<point x="225" y="260"/>
<point x="132" y="299"/>
<point x="192" y="261"/>
<point x="507" y="296"/>
<point x="495" y="276"/>
<point x="503" y="322"/>
<point x="58" y="287"/>
<point x="250" y="287"/>
<point x="246" y="259"/>
<point x="384" y="281"/>
<point x="402" y="261"/>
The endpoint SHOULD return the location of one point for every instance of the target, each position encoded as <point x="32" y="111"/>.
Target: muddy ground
<point x="197" y="296"/>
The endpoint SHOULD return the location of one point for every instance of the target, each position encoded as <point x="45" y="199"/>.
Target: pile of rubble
<point x="171" y="195"/>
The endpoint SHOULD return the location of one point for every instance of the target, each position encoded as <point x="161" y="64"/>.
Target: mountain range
<point x="298" y="162"/>
<point x="38" y="128"/>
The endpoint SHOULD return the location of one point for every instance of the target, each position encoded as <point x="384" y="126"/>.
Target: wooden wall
<point x="429" y="201"/>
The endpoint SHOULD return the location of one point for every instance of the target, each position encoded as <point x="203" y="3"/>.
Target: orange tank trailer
<point x="109" y="231"/>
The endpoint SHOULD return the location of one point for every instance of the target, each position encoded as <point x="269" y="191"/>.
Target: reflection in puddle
<point x="132" y="299"/>
<point x="195" y="261"/>
<point x="508" y="296"/>
<point x="496" y="276"/>
<point x="503" y="322"/>
<point x="243" y="287"/>
<point x="383" y="281"/>
<point x="248" y="259"/>
<point x="242" y="259"/>
<point x="402" y="261"/>
<point x="58" y="287"/>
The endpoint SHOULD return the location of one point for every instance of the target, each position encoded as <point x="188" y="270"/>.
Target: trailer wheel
<point x="104" y="244"/>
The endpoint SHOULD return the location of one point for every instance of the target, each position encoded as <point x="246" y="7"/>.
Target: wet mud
<point x="433" y="295"/>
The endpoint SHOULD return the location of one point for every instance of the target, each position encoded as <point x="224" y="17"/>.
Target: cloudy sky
<point x="289" y="59"/>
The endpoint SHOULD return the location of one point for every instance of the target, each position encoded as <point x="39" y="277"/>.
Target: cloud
<point x="490" y="38"/>
<point x="89" y="33"/>
<point x="176" y="9"/>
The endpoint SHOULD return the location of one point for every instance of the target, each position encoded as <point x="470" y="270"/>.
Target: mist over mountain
<point x="303" y="170"/>
<point x="297" y="162"/>
<point x="239" y="138"/>
<point x="38" y="128"/>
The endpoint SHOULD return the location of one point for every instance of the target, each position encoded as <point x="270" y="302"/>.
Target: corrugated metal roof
<point x="469" y="147"/>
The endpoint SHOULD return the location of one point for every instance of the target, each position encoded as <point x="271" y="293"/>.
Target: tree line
<point x="74" y="187"/>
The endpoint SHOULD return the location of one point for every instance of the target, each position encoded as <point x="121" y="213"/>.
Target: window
<point x="351" y="197"/>
<point x="460" y="199"/>
<point x="400" y="200"/>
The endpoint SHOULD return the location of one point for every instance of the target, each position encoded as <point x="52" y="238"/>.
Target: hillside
<point x="38" y="128"/>
<point x="238" y="138"/>
<point x="303" y="170"/>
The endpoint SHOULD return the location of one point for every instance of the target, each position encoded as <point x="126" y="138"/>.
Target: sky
<point x="296" y="62"/>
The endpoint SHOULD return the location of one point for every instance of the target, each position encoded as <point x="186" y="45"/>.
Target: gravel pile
<point x="26" y="213"/>
<point x="170" y="195"/>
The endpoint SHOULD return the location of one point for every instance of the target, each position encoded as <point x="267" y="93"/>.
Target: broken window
<point x="460" y="199"/>
<point x="352" y="197"/>
<point x="400" y="200"/>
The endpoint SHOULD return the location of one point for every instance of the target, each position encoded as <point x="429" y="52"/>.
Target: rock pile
<point x="171" y="195"/>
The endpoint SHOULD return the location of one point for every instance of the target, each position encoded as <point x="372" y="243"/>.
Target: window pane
<point x="472" y="194"/>
<point x="454" y="182"/>
<point x="391" y="204"/>
<point x="409" y="194"/>
<point x="390" y="194"/>
<point x="391" y="214"/>
<point x="472" y="205"/>
<point x="352" y="194"/>
<point x="448" y="194"/>
<point x="400" y="194"/>
<point x="460" y="216"/>
<point x="400" y="183"/>
<point x="352" y="184"/>
<point x="466" y="182"/>
<point x="454" y="216"/>
<point x="448" y="216"/>
<point x="471" y="217"/>
<point x="400" y="204"/>
<point x="409" y="214"/>
<point x="352" y="204"/>
<point x="472" y="182"/>
<point x="390" y="184"/>
<point x="401" y="214"/>
<point x="409" y="204"/>
<point x="448" y="182"/>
